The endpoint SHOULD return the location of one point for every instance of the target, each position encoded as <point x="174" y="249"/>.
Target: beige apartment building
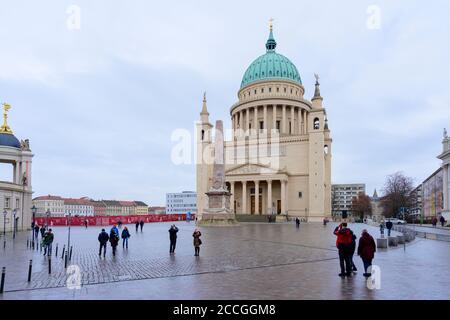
<point x="279" y="158"/>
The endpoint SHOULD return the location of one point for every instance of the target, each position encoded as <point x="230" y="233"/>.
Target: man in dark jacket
<point x="125" y="236"/>
<point x="42" y="230"/>
<point x="103" y="239"/>
<point x="343" y="242"/>
<point x="389" y="225"/>
<point x="36" y="230"/>
<point x="442" y="220"/>
<point x="48" y="240"/>
<point x="141" y="224"/>
<point x="173" y="238"/>
<point x="366" y="250"/>
<point x="137" y="225"/>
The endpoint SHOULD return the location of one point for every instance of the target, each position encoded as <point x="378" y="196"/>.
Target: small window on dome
<point x="284" y="90"/>
<point x="270" y="73"/>
<point x="262" y="90"/>
<point x="278" y="89"/>
<point x="270" y="89"/>
<point x="278" y="72"/>
<point x="284" y="72"/>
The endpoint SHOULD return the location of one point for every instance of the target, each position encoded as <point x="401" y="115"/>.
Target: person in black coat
<point x="141" y="224"/>
<point x="103" y="239"/>
<point x="297" y="222"/>
<point x="114" y="240"/>
<point x="42" y="230"/>
<point x="125" y="236"/>
<point x="173" y="238"/>
<point x="389" y="225"/>
<point x="352" y="248"/>
<point x="36" y="231"/>
<point x="137" y="225"/>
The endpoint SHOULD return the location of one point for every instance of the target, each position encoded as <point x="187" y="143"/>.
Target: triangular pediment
<point x="251" y="168"/>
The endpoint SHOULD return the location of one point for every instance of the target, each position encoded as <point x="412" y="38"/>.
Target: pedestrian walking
<point x="85" y="223"/>
<point x="114" y="240"/>
<point x="442" y="220"/>
<point x="197" y="241"/>
<point x="137" y="225"/>
<point x="103" y="238"/>
<point x="141" y="224"/>
<point x="173" y="238"/>
<point x="382" y="229"/>
<point x="47" y="242"/>
<point x="352" y="251"/>
<point x="343" y="241"/>
<point x="42" y="230"/>
<point x="120" y="224"/>
<point x="125" y="236"/>
<point x="434" y="221"/>
<point x="36" y="231"/>
<point x="366" y="250"/>
<point x="389" y="226"/>
<point x="114" y="228"/>
<point x="297" y="222"/>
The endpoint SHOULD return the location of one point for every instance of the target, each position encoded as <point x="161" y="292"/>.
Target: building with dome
<point x="278" y="161"/>
<point x="15" y="195"/>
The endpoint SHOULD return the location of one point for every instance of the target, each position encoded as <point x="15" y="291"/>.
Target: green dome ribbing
<point x="271" y="65"/>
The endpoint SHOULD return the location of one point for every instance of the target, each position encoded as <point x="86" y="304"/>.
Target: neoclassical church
<point x="16" y="193"/>
<point x="278" y="161"/>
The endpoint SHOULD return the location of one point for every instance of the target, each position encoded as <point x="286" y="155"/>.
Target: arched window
<point x="325" y="149"/>
<point x="203" y="135"/>
<point x="316" y="123"/>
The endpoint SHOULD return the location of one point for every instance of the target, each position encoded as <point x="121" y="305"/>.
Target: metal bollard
<point x="70" y="256"/>
<point x="29" y="270"/>
<point x="62" y="254"/>
<point x="49" y="264"/>
<point x="56" y="251"/>
<point x="65" y="260"/>
<point x="2" y="282"/>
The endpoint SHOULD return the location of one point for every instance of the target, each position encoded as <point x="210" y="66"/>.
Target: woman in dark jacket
<point x="366" y="250"/>
<point x="197" y="241"/>
<point x="114" y="240"/>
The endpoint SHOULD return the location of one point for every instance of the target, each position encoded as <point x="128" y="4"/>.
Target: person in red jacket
<point x="343" y="243"/>
<point x="366" y="250"/>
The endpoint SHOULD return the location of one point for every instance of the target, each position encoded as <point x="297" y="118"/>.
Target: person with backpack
<point x="173" y="238"/>
<point x="103" y="239"/>
<point x="125" y="236"/>
<point x="47" y="242"/>
<point x="343" y="243"/>
<point x="366" y="250"/>
<point x="114" y="240"/>
<point x="197" y="241"/>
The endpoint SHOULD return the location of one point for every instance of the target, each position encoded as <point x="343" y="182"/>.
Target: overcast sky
<point x="99" y="103"/>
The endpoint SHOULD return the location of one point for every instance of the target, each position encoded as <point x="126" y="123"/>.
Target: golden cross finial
<point x="5" y="128"/>
<point x="271" y="24"/>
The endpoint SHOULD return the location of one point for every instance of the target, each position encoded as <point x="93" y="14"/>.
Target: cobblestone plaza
<point x="249" y="261"/>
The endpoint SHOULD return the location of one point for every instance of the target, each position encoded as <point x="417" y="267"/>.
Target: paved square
<point x="249" y="261"/>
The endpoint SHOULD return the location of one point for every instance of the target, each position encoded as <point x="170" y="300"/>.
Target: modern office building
<point x="181" y="202"/>
<point x="342" y="196"/>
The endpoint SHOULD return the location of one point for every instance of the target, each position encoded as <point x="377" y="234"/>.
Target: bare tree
<point x="361" y="205"/>
<point x="396" y="194"/>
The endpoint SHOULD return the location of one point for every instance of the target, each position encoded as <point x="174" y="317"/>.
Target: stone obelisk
<point x="217" y="208"/>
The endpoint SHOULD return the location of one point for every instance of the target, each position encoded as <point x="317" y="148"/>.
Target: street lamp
<point x="14" y="223"/>
<point x="68" y="234"/>
<point x="4" y="228"/>
<point x="48" y="216"/>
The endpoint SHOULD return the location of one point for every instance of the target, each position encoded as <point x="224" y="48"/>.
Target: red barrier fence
<point x="110" y="220"/>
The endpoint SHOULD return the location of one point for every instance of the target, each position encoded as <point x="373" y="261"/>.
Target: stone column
<point x="232" y="195"/>
<point x="265" y="117"/>
<point x="255" y="115"/>
<point x="244" y="197"/>
<point x="283" y="121"/>
<point x="445" y="187"/>
<point x="292" y="120"/>
<point x="247" y="119"/>
<point x="269" y="197"/>
<point x="283" y="196"/>
<point x="274" y="116"/>
<point x="256" y="197"/>
<point x="299" y="120"/>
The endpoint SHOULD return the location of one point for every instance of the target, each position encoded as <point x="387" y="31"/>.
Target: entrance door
<point x="278" y="206"/>
<point x="252" y="204"/>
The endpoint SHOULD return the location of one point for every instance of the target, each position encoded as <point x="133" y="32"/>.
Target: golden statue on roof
<point x="5" y="128"/>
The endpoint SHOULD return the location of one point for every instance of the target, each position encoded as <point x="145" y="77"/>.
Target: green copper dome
<point x="271" y="65"/>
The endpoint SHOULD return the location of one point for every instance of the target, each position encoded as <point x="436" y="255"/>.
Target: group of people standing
<point x="346" y="244"/>
<point x="113" y="238"/>
<point x="47" y="237"/>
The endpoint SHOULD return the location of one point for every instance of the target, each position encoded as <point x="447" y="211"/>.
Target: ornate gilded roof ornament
<point x="5" y="128"/>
